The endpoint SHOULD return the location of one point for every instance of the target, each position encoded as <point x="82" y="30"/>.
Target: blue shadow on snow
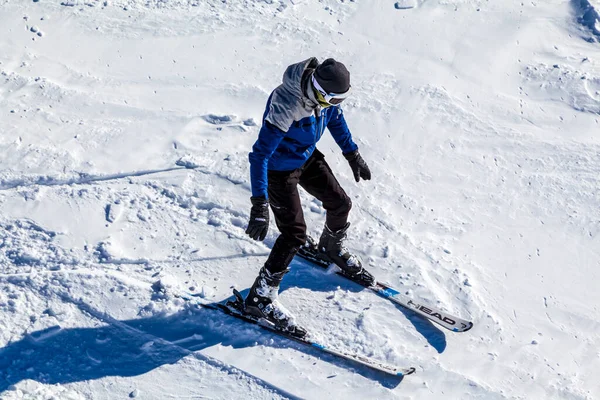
<point x="134" y="347"/>
<point x="304" y="274"/>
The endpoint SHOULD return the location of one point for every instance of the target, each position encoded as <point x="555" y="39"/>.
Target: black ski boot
<point x="331" y="245"/>
<point x="262" y="302"/>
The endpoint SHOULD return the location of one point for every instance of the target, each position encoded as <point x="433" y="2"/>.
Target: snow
<point x="124" y="132"/>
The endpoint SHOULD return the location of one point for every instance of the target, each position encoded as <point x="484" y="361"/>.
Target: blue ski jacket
<point x="292" y="125"/>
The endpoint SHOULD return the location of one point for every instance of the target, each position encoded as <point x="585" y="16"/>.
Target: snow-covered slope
<point x="124" y="132"/>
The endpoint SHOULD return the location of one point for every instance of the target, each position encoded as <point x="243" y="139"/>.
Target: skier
<point x="285" y="156"/>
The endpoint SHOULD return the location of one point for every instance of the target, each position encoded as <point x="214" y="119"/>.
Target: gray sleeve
<point x="283" y="110"/>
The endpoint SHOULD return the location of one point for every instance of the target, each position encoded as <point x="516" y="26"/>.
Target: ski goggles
<point x="328" y="98"/>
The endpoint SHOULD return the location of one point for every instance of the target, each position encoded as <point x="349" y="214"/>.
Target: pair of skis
<point x="235" y="309"/>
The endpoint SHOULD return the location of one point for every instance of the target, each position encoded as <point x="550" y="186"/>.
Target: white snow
<point x="125" y="127"/>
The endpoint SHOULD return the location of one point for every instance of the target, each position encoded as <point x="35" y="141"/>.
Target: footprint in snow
<point x="219" y="119"/>
<point x="405" y="4"/>
<point x="230" y="121"/>
<point x="36" y="30"/>
<point x="113" y="211"/>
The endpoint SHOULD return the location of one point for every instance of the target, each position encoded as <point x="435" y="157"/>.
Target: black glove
<point x="259" y="218"/>
<point x="358" y="165"/>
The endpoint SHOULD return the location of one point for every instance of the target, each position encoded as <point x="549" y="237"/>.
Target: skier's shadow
<point x="60" y="356"/>
<point x="304" y="274"/>
<point x="130" y="348"/>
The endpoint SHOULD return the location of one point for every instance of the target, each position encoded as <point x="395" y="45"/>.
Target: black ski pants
<point x="316" y="178"/>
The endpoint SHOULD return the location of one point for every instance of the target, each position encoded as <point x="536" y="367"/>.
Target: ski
<point x="235" y="309"/>
<point x="310" y="253"/>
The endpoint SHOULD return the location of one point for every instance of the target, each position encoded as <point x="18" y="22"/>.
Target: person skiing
<point x="285" y="156"/>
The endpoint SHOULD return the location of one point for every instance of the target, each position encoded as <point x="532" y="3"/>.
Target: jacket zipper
<point x="319" y="117"/>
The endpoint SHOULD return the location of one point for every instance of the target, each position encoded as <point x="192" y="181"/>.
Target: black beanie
<point x="333" y="76"/>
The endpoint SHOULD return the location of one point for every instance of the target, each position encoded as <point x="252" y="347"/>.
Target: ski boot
<point x="262" y="303"/>
<point x="331" y="245"/>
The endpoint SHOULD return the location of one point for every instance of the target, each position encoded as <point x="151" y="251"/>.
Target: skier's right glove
<point x="259" y="218"/>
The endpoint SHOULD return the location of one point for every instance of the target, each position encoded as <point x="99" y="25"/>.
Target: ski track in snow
<point x="124" y="179"/>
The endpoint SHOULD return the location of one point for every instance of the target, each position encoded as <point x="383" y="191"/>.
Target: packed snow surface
<point x="125" y="127"/>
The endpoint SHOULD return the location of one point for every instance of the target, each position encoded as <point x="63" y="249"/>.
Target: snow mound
<point x="563" y="83"/>
<point x="25" y="244"/>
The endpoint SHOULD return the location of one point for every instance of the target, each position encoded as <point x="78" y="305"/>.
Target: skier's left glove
<point x="259" y="218"/>
<point x="358" y="165"/>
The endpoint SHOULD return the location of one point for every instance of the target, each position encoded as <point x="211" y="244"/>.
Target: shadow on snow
<point x="310" y="277"/>
<point x="134" y="347"/>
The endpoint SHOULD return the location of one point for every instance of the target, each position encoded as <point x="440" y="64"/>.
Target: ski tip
<point x="466" y="327"/>
<point x="408" y="371"/>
